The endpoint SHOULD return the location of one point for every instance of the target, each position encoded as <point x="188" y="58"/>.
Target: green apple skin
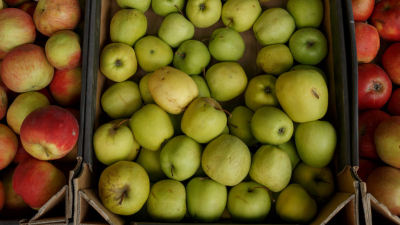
<point x="240" y="15"/>
<point x="290" y="148"/>
<point x="141" y="5"/>
<point x="180" y="157"/>
<point x="316" y="143"/>
<point x="151" y="126"/>
<point x="226" y="130"/>
<point x="248" y="202"/>
<point x="240" y="125"/>
<point x="274" y="26"/>
<point x="271" y="167"/>
<point x="150" y="161"/>
<point x="275" y="59"/>
<point x="309" y="67"/>
<point x="202" y="86"/>
<point x="124" y="187"/>
<point x="118" y="62"/>
<point x="167" y="201"/>
<point x="226" y="160"/>
<point x="122" y="99"/>
<point x="294" y="205"/>
<point x="261" y="92"/>
<point x="206" y="199"/>
<point x="142" y="215"/>
<point x="165" y="7"/>
<point x="144" y="89"/>
<point x="176" y="123"/>
<point x="175" y="29"/>
<point x="308" y="46"/>
<point x="318" y="182"/>
<point x="135" y="147"/>
<point x="153" y="53"/>
<point x="127" y="26"/>
<point x="271" y="126"/>
<point x="306" y="13"/>
<point x="226" y="80"/>
<point x="303" y="95"/>
<point x="226" y="45"/>
<point x="192" y="57"/>
<point x="203" y="120"/>
<point x="203" y="13"/>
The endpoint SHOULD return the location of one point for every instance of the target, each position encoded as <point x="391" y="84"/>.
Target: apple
<point x="204" y="91"/>
<point x="309" y="67"/>
<point x="63" y="50"/>
<point x="175" y="29"/>
<point x="203" y="13"/>
<point x="17" y="28"/>
<point x="362" y="9"/>
<point x="118" y="61"/>
<point x="390" y="62"/>
<point x="15" y="2"/>
<point x="144" y="89"/>
<point x="306" y="13"/>
<point x="45" y="91"/>
<point x="290" y="149"/>
<point x="150" y="161"/>
<point x="2" y="196"/>
<point x="28" y="7"/>
<point x="226" y="45"/>
<point x="275" y="59"/>
<point x="165" y="7"/>
<point x="127" y="26"/>
<point x="192" y="57"/>
<point x="25" y="68"/>
<point x="385" y="19"/>
<point x="21" y="154"/>
<point x="141" y="5"/>
<point x="52" y="16"/>
<point x="153" y="53"/>
<point x="176" y="120"/>
<point x="71" y="156"/>
<point x="365" y="168"/>
<point x="308" y="46"/>
<point x="374" y="87"/>
<point x="3" y="5"/>
<point x="393" y="106"/>
<point x="240" y="15"/>
<point x="8" y="146"/>
<point x="368" y="121"/>
<point x="261" y="92"/>
<point x="387" y="141"/>
<point x="240" y="125"/>
<point x="367" y="42"/>
<point x="3" y="102"/>
<point x="66" y="87"/>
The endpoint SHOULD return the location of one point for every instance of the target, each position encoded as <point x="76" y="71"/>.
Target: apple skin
<point x="365" y="168"/>
<point x="127" y="26"/>
<point x="15" y="2"/>
<point x="163" y="8"/>
<point x="49" y="132"/>
<point x="8" y="146"/>
<point x="22" y="154"/>
<point x="176" y="29"/>
<point x="261" y="92"/>
<point x="203" y="13"/>
<point x="383" y="183"/>
<point x="28" y="7"/>
<point x="367" y="42"/>
<point x="53" y="15"/>
<point x="391" y="61"/>
<point x="3" y="5"/>
<point x="240" y="15"/>
<point x="374" y="87"/>
<point x="63" y="50"/>
<point x="368" y="121"/>
<point x="144" y="89"/>
<point x="34" y="193"/>
<point x="150" y="161"/>
<point x="142" y="5"/>
<point x="275" y="59"/>
<point x="385" y="18"/>
<point x="45" y="91"/>
<point x="226" y="45"/>
<point x="393" y="106"/>
<point x="362" y="9"/>
<point x="153" y="53"/>
<point x="66" y="87"/>
<point x="387" y="141"/>
<point x="71" y="156"/>
<point x="192" y="57"/>
<point x="308" y="46"/>
<point x="17" y="28"/>
<point x="3" y="102"/>
<point x="306" y="13"/>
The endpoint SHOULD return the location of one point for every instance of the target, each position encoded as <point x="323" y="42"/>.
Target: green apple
<point x="192" y="57"/>
<point x="124" y="187"/>
<point x="127" y="26"/>
<point x="151" y="126"/>
<point x="141" y="5"/>
<point x="261" y="92"/>
<point x="308" y="46"/>
<point x="150" y="161"/>
<point x="165" y="7"/>
<point x="144" y="89"/>
<point x="176" y="123"/>
<point x="318" y="182"/>
<point x="303" y="95"/>
<point x="226" y="130"/>
<point x="118" y="62"/>
<point x="271" y="168"/>
<point x="203" y="120"/>
<point x="203" y="13"/>
<point x="309" y="67"/>
<point x="226" y="45"/>
<point x="202" y="86"/>
<point x="167" y="201"/>
<point x="294" y="205"/>
<point x="206" y="199"/>
<point x="153" y="53"/>
<point x="275" y="59"/>
<point x="135" y="147"/>
<point x="226" y="160"/>
<point x="248" y="202"/>
<point x="180" y="157"/>
<point x="290" y="148"/>
<point x="226" y="80"/>
<point x="316" y="143"/>
<point x="175" y="29"/>
<point x="142" y="215"/>
<point x="240" y="15"/>
<point x="240" y="125"/>
<point x="274" y="26"/>
<point x="121" y="99"/>
<point x="306" y="13"/>
<point x="271" y="126"/>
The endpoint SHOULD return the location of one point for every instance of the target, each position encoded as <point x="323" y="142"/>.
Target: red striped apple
<point x="71" y="156"/>
<point x="66" y="87"/>
<point x="22" y="154"/>
<point x="367" y="42"/>
<point x="362" y="9"/>
<point x="385" y="18"/>
<point x="391" y="62"/>
<point x="28" y="7"/>
<point x="63" y="50"/>
<point x="393" y="106"/>
<point x="8" y="146"/>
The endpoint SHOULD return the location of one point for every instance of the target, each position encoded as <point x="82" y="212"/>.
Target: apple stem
<point x="122" y="198"/>
<point x="204" y="178"/>
<point x="230" y="115"/>
<point x="181" y="55"/>
<point x="204" y="73"/>
<point x="229" y="24"/>
<point x="179" y="9"/>
<point x="47" y="154"/>
<point x="206" y="39"/>
<point x="172" y="173"/>
<point x="123" y="121"/>
<point x="270" y="195"/>
<point x="232" y="125"/>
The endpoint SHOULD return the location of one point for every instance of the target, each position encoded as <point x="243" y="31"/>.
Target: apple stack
<point x="379" y="98"/>
<point x="40" y="88"/>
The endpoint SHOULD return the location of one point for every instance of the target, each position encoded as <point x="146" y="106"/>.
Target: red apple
<point x="374" y="87"/>
<point x="393" y="106"/>
<point x="385" y="18"/>
<point x="367" y="42"/>
<point x="28" y="7"/>
<point x="387" y="141"/>
<point x="368" y="121"/>
<point x="66" y="87"/>
<point x="3" y="102"/>
<point x="15" y="2"/>
<point x="25" y="68"/>
<point x="37" y="181"/>
<point x="46" y="93"/>
<point x="391" y="62"/>
<point x="362" y="9"/>
<point x="8" y="146"/>
<point x="21" y="153"/>
<point x="2" y="196"/>
<point x="49" y="132"/>
<point x="365" y="168"/>
<point x="71" y="156"/>
<point x="53" y="15"/>
<point x="17" y="28"/>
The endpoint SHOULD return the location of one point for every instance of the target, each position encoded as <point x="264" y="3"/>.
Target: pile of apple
<point x="195" y="158"/>
<point x="379" y="106"/>
<point x="40" y="88"/>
